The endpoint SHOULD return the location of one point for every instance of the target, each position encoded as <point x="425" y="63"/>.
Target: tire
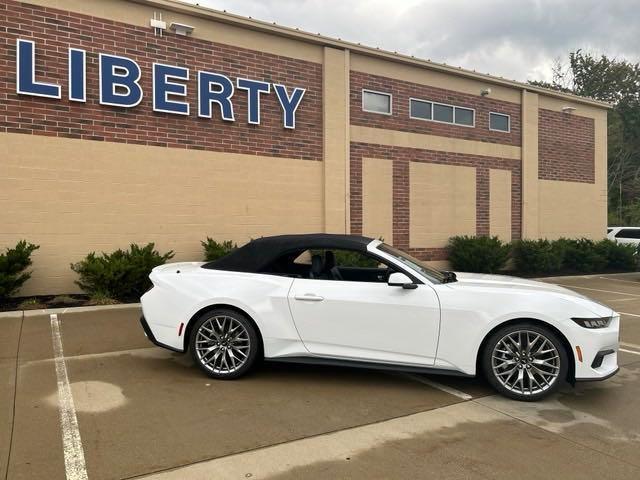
<point x="530" y="376"/>
<point x="224" y="344"/>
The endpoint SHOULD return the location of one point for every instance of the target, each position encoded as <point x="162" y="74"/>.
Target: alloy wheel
<point x="222" y="344"/>
<point x="525" y="362"/>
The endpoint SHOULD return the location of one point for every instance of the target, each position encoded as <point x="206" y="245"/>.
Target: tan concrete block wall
<point x="336" y="139"/>
<point x="571" y="210"/>
<point x="442" y="203"/>
<point x="530" y="193"/>
<point x="377" y="198"/>
<point x="71" y="197"/>
<point x="500" y="204"/>
<point x="398" y="138"/>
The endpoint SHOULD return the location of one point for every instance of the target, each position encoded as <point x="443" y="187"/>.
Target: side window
<point x="629" y="233"/>
<point x="342" y="265"/>
<point x="351" y="259"/>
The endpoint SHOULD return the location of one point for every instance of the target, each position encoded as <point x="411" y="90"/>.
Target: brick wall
<point x="402" y="91"/>
<point x="566" y="147"/>
<point x="54" y="31"/>
<point x="401" y="157"/>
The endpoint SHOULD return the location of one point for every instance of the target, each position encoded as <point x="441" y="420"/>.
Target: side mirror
<point x="397" y="279"/>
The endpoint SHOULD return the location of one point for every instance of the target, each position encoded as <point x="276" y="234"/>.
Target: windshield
<point x="413" y="263"/>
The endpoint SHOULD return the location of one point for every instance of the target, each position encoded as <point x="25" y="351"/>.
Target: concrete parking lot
<point x="146" y="412"/>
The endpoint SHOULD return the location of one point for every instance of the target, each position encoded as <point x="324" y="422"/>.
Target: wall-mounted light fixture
<point x="181" y="28"/>
<point x="568" y="109"/>
<point x="485" y="91"/>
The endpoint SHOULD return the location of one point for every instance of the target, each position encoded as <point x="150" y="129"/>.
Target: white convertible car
<point x="351" y="300"/>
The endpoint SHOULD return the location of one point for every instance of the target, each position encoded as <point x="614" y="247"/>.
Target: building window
<point x="376" y="102"/>
<point x="420" y="109"/>
<point x="499" y="122"/>
<point x="440" y="112"/>
<point x="464" y="116"/>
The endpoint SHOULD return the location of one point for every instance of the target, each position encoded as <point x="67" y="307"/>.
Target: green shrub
<point x="619" y="256"/>
<point x="581" y="255"/>
<point x="214" y="250"/>
<point x="122" y="275"/>
<point x="538" y="256"/>
<point x="477" y="254"/>
<point x="13" y="264"/>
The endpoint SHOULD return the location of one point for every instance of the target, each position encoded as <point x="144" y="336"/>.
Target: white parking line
<point x="620" y="280"/>
<point x="630" y="314"/>
<point x="630" y="345"/>
<point x="74" y="462"/>
<point x="597" y="290"/>
<point x="628" y="351"/>
<point x="439" y="386"/>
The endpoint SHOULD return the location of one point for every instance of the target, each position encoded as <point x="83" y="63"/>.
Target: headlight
<point x="598" y="322"/>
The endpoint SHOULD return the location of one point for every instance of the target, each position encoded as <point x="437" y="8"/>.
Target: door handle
<point x="309" y="297"/>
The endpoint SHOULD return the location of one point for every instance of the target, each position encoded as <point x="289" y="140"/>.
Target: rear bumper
<point x="149" y="334"/>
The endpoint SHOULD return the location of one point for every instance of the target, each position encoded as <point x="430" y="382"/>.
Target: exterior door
<point x="368" y="321"/>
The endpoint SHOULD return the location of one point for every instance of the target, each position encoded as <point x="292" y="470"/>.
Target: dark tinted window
<point x="499" y="122"/>
<point x="420" y="109"/>
<point x="464" y="116"/>
<point x="628" y="233"/>
<point x="443" y="113"/>
<point x="339" y="264"/>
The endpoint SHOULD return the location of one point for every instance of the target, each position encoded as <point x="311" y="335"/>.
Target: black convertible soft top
<point x="258" y="254"/>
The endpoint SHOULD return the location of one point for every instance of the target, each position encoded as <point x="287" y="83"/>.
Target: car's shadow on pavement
<point x="316" y="376"/>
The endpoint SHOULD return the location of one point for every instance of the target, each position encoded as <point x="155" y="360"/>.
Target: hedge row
<point x="124" y="274"/>
<point x="490" y="255"/>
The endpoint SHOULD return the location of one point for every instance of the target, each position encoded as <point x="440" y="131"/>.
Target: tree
<point x="616" y="81"/>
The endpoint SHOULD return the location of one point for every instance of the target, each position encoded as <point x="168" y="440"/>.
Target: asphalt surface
<point x="146" y="412"/>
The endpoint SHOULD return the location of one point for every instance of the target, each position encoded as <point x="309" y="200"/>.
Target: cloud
<point x="517" y="39"/>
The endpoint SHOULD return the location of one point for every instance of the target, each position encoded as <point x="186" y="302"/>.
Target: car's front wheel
<point x="525" y="361"/>
<point x="224" y="344"/>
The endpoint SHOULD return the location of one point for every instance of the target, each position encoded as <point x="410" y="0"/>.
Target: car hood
<point x="481" y="280"/>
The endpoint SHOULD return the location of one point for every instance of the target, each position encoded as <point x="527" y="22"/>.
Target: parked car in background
<point x="627" y="235"/>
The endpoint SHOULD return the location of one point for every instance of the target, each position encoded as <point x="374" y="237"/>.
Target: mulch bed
<point x="40" y="302"/>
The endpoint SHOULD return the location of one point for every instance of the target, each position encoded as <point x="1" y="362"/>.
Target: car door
<point x="368" y="321"/>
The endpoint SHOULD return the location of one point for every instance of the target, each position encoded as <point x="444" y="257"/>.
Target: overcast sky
<point x="517" y="39"/>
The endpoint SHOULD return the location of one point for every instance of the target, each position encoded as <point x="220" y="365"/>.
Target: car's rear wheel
<point x="525" y="361"/>
<point x="224" y="344"/>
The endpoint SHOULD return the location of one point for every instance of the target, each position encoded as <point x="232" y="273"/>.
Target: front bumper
<point x="599" y="379"/>
<point x="599" y="348"/>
